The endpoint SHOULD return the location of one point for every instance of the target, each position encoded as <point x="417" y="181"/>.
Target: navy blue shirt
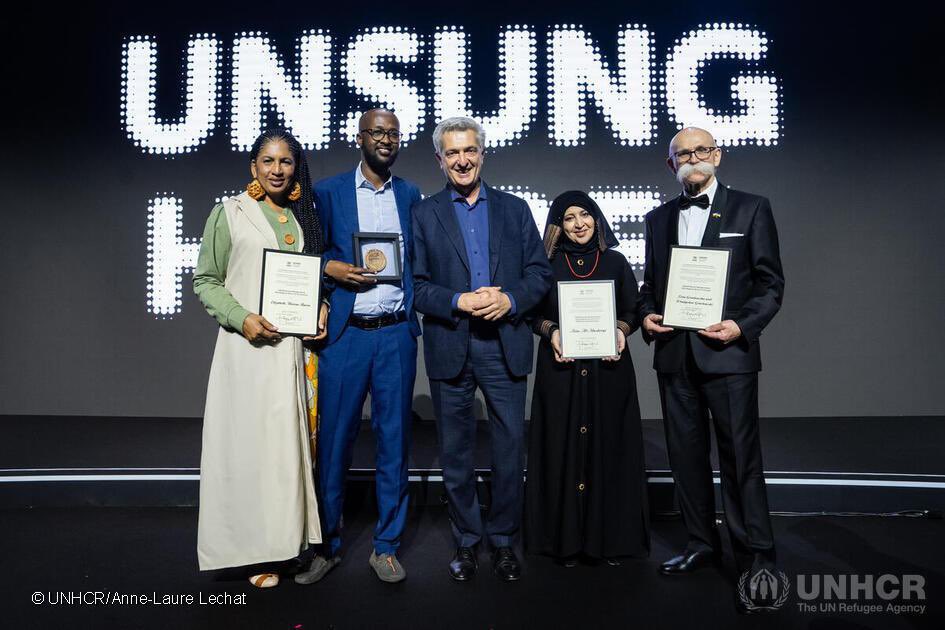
<point x="474" y="226"/>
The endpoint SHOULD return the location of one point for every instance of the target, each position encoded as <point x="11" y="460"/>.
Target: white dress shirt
<point x="692" y="220"/>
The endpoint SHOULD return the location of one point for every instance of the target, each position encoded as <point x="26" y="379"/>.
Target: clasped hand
<point x="488" y="303"/>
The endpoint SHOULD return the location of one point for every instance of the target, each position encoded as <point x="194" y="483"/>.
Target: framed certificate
<point x="290" y="291"/>
<point x="696" y="287"/>
<point x="587" y="319"/>
<point x="379" y="252"/>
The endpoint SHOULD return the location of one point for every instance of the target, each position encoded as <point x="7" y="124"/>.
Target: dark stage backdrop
<point x="126" y="122"/>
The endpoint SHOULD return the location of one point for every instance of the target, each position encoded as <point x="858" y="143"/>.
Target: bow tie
<point x="702" y="201"/>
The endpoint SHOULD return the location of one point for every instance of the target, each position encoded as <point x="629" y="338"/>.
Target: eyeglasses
<point x="701" y="153"/>
<point x="378" y="134"/>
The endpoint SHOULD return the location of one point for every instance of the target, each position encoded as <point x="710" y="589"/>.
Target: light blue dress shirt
<point x="377" y="212"/>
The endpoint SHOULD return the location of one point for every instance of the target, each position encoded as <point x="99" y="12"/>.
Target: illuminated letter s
<point x="360" y="66"/>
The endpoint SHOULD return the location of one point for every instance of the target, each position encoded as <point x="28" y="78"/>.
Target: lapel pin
<point x="716" y="215"/>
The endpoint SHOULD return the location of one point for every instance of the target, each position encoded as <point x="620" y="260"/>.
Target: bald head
<point x="367" y="118"/>
<point x="693" y="158"/>
<point x="690" y="137"/>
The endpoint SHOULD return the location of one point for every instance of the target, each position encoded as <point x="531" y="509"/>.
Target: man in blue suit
<point x="371" y="345"/>
<point x="479" y="267"/>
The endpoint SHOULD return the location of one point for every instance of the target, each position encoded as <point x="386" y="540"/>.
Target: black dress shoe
<point x="505" y="565"/>
<point x="569" y="562"/>
<point x="464" y="564"/>
<point x="689" y="561"/>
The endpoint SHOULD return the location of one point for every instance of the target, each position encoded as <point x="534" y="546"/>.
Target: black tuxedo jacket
<point x="755" y="288"/>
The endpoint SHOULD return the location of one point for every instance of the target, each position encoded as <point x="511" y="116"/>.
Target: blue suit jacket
<point x="517" y="263"/>
<point x="337" y="204"/>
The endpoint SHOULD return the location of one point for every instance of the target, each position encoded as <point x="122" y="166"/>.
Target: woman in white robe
<point x="257" y="493"/>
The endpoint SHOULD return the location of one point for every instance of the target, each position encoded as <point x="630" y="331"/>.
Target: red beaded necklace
<point x="587" y="275"/>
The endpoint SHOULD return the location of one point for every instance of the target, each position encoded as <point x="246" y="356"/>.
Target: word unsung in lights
<point x="425" y="77"/>
<point x="577" y="75"/>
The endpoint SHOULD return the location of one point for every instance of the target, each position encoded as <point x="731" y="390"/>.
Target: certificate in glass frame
<point x="587" y="319"/>
<point x="290" y="291"/>
<point x="379" y="252"/>
<point x="696" y="286"/>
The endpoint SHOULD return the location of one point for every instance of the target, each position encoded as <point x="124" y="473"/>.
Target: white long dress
<point x="257" y="493"/>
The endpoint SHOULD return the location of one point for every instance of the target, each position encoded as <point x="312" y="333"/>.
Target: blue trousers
<point x="453" y="399"/>
<point x="384" y="363"/>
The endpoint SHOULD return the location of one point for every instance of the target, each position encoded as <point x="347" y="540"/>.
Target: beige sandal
<point x="264" y="580"/>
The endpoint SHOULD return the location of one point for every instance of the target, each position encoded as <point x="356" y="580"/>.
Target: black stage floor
<point x="52" y="551"/>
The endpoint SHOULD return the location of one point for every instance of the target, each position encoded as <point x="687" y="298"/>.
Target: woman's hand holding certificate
<point x="588" y="319"/>
<point x="289" y="293"/>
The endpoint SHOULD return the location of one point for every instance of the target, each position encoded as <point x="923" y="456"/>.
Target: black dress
<point x="586" y="486"/>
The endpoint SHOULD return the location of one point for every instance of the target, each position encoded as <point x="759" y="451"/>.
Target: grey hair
<point x="457" y="123"/>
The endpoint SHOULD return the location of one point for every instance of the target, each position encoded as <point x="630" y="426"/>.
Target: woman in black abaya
<point x="585" y="494"/>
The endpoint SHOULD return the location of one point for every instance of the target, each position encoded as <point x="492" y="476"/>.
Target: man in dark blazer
<point x="372" y="331"/>
<point x="714" y="372"/>
<point x="479" y="267"/>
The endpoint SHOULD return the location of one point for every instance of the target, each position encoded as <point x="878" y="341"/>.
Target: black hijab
<point x="554" y="226"/>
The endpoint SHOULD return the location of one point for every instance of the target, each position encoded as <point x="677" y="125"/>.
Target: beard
<point x="379" y="162"/>
<point x="687" y="169"/>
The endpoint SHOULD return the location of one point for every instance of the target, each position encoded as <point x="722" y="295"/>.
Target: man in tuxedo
<point x="714" y="372"/>
<point x="479" y="267"/>
<point x="372" y="331"/>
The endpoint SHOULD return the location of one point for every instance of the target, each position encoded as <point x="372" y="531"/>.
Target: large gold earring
<point x="296" y="193"/>
<point x="255" y="189"/>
